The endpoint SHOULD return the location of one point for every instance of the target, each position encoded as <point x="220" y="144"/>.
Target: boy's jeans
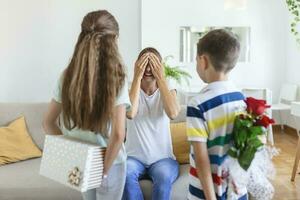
<point x="163" y="174"/>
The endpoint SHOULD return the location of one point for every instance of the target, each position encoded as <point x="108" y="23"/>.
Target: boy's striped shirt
<point x="210" y="117"/>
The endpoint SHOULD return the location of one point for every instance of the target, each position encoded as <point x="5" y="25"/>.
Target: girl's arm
<point x="50" y="120"/>
<point x="170" y="103"/>
<point x="134" y="92"/>
<point x="203" y="169"/>
<point x="116" y="138"/>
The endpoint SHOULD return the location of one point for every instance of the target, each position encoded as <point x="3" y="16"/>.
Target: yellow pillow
<point x="181" y="146"/>
<point x="16" y="144"/>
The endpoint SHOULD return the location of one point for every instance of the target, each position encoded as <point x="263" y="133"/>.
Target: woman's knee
<point x="134" y="169"/>
<point x="165" y="169"/>
<point x="164" y="178"/>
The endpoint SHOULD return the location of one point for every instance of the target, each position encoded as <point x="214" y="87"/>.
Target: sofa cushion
<point x="181" y="147"/>
<point x="16" y="144"/>
<point x="179" y="189"/>
<point x="33" y="113"/>
<point x="22" y="182"/>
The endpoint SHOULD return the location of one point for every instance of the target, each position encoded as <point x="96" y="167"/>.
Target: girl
<point x="92" y="96"/>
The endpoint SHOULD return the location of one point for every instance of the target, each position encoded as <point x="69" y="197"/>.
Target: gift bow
<point x="74" y="176"/>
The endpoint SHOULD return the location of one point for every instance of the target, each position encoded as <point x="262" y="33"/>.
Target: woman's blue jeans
<point x="163" y="174"/>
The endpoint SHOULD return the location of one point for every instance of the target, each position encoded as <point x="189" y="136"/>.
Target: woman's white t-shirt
<point x="148" y="134"/>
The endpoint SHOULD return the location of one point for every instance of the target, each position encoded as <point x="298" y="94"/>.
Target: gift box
<point x="72" y="162"/>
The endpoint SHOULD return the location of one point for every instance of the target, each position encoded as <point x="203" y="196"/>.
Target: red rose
<point x="264" y="121"/>
<point x="256" y="106"/>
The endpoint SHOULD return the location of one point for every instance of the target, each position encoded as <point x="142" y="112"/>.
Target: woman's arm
<point x="116" y="138"/>
<point x="170" y="103"/>
<point x="134" y="92"/>
<point x="134" y="98"/>
<point x="50" y="120"/>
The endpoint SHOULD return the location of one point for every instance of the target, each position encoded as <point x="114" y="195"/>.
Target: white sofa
<point x="21" y="180"/>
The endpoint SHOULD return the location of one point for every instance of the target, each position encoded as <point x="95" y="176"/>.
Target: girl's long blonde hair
<point x="94" y="76"/>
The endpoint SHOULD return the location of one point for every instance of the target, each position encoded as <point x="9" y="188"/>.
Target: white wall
<point x="37" y="38"/>
<point x="292" y="68"/>
<point x="160" y="28"/>
<point x="293" y="60"/>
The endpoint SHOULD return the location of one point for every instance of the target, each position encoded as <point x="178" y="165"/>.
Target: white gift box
<point x="72" y="162"/>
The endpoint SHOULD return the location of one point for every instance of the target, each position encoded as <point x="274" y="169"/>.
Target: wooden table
<point x="295" y="111"/>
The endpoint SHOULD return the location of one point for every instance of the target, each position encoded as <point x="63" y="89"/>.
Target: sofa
<point x="21" y="180"/>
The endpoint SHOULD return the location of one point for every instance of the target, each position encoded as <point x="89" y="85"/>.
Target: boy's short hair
<point x="222" y="47"/>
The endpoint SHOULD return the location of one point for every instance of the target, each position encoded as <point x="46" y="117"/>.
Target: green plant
<point x="294" y="8"/>
<point x="175" y="72"/>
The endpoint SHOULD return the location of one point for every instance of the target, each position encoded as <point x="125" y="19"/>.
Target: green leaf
<point x="256" y="130"/>
<point x="246" y="157"/>
<point x="296" y="12"/>
<point x="232" y="152"/>
<point x="242" y="136"/>
<point x="246" y="122"/>
<point x="254" y="143"/>
<point x="237" y="123"/>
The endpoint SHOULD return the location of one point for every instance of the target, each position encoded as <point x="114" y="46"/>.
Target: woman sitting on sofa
<point x="92" y="96"/>
<point x="148" y="141"/>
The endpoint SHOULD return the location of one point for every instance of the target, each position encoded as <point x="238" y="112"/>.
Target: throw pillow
<point x="16" y="144"/>
<point x="181" y="146"/>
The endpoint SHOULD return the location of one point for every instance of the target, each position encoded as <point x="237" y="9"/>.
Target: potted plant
<point x="176" y="72"/>
<point x="294" y="8"/>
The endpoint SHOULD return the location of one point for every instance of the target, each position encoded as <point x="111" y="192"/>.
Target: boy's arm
<point x="203" y="169"/>
<point x="197" y="134"/>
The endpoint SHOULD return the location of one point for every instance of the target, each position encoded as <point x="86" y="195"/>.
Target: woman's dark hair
<point x="150" y="50"/>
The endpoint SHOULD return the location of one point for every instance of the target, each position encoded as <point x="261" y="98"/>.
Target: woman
<point x="148" y="140"/>
<point x="92" y="97"/>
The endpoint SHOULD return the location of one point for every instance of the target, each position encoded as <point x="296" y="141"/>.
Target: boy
<point x="210" y="116"/>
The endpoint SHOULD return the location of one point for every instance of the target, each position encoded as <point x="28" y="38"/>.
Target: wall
<point x="37" y="39"/>
<point x="293" y="60"/>
<point x="160" y="28"/>
<point x="292" y="69"/>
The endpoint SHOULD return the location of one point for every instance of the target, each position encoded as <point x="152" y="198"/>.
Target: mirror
<point x="189" y="37"/>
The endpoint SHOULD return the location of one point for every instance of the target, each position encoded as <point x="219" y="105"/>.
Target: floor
<point x="284" y="188"/>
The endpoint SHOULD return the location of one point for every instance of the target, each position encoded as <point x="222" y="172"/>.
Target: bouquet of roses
<point x="248" y="131"/>
<point x="249" y="161"/>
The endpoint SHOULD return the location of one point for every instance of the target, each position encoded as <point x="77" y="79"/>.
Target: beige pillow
<point x="16" y="144"/>
<point x="181" y="146"/>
